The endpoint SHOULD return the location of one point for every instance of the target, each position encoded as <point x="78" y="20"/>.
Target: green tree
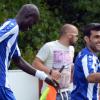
<point x="53" y="14"/>
<point x="78" y="12"/>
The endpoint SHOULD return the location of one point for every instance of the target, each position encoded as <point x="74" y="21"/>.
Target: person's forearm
<point x="94" y="78"/>
<point x="40" y="66"/>
<point x="72" y="71"/>
<point x="30" y="70"/>
<point x="25" y="66"/>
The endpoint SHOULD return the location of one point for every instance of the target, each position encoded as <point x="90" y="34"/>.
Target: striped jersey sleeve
<point x="17" y="52"/>
<point x="7" y="29"/>
<point x="89" y="64"/>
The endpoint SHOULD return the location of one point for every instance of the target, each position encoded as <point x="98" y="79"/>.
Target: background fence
<point x="24" y="86"/>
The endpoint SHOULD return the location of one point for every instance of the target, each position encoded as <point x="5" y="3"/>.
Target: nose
<point x="99" y="39"/>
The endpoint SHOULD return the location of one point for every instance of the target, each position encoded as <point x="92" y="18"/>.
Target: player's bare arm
<point x="38" y="64"/>
<point x="26" y="67"/>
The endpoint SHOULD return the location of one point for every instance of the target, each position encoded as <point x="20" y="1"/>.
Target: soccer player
<point x="87" y="66"/>
<point x="26" y="17"/>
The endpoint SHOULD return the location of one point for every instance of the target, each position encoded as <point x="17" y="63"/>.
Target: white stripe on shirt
<point x="84" y="64"/>
<point x="7" y="34"/>
<point x="5" y="24"/>
<point x="8" y="48"/>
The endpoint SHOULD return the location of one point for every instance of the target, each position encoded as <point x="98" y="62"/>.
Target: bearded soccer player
<point x="87" y="66"/>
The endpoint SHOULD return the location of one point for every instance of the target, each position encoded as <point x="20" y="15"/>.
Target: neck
<point x="64" y="42"/>
<point x="93" y="51"/>
<point x="18" y="21"/>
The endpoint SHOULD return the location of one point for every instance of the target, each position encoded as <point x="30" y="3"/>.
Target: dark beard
<point x="71" y="43"/>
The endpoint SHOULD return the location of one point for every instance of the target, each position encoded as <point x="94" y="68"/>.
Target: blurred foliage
<point x="53" y="14"/>
<point x="77" y="12"/>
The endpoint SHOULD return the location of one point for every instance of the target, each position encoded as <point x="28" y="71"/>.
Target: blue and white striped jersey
<point x="8" y="48"/>
<point x="85" y="64"/>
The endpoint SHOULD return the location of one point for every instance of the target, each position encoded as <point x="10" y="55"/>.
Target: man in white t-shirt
<point x="55" y="54"/>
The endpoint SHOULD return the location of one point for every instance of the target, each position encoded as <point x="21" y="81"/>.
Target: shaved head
<point x="68" y="34"/>
<point x="28" y="9"/>
<point x="68" y="28"/>
<point x="27" y="16"/>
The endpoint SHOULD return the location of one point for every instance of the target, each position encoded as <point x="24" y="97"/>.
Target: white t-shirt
<point x="55" y="55"/>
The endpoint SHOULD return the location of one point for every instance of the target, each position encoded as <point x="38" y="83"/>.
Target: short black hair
<point x="91" y="26"/>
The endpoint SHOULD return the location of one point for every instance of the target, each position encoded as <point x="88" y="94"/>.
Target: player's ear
<point x="86" y="39"/>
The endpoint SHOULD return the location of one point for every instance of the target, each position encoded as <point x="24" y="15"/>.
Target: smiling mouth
<point x="97" y="44"/>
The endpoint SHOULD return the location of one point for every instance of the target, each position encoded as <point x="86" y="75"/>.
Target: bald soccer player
<point x="27" y="16"/>
<point x="55" y="54"/>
